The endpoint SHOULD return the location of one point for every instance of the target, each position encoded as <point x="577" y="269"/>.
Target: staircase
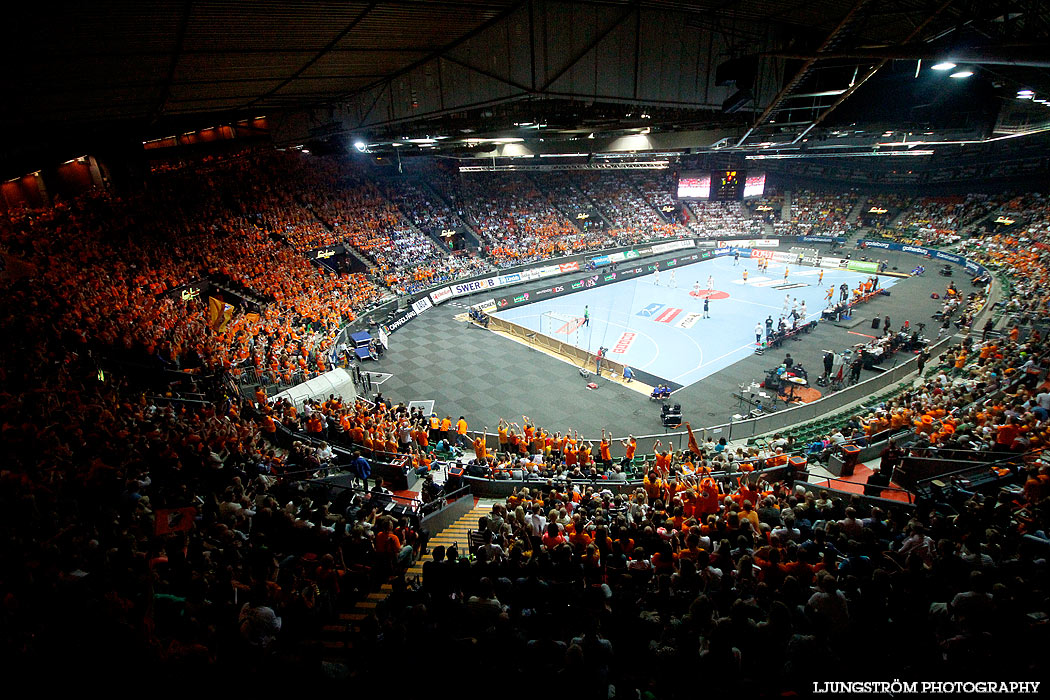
<point x="437" y="195"/>
<point x="456" y="533"/>
<point x="858" y="209"/>
<point x="336" y="640"/>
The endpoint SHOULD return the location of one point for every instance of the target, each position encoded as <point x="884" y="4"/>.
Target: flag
<point x="693" y="447"/>
<point x="168" y="520"/>
<point x="219" y="314"/>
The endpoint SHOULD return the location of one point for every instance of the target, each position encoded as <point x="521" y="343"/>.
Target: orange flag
<point x="693" y="447"/>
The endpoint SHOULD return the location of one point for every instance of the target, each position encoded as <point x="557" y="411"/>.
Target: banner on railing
<point x="596" y="280"/>
<point x="325" y="253"/>
<point x="820" y="239"/>
<point x="970" y="266"/>
<point x="660" y="248"/>
<point x="862" y="266"/>
<point x="421" y="305"/>
<point x="752" y="242"/>
<point x="441" y="295"/>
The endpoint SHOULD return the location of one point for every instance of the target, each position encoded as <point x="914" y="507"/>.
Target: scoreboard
<point x="721" y="185"/>
<point x="727" y="184"/>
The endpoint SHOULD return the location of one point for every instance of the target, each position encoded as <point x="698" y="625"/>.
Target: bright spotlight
<point x="360" y="145"/>
<point x="943" y="65"/>
<point x="964" y="73"/>
<point x="1026" y="94"/>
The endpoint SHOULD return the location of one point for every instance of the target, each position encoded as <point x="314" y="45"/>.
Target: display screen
<point x="754" y="185"/>
<point x="694" y="185"/>
<point x="728" y="185"/>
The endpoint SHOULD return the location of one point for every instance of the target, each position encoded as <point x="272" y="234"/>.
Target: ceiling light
<point x="943" y="65"/>
<point x="1026" y="93"/>
<point x="964" y="73"/>
<point x="360" y="145"/>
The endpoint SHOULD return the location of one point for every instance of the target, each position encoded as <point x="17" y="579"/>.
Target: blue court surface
<point x="651" y="325"/>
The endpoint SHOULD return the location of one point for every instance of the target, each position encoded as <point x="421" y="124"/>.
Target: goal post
<point x="562" y="327"/>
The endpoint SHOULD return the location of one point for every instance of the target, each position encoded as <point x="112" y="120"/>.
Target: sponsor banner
<point x="573" y="266"/>
<point x="631" y="254"/>
<point x="811" y="259"/>
<point x="766" y="243"/>
<point x="706" y="244"/>
<point x="441" y="295"/>
<point x="820" y="239"/>
<point x="327" y="252"/>
<point x="512" y="278"/>
<point x="601" y="260"/>
<point x="781" y="257"/>
<point x="862" y="266"/>
<point x="755" y="253"/>
<point x="384" y="338"/>
<point x="688" y="321"/>
<point x="421" y="305"/>
<point x="187" y="292"/>
<point x="650" y="310"/>
<point x="919" y="250"/>
<point x="463" y="288"/>
<point x="673" y="245"/>
<point x="520" y="298"/>
<point x="401" y="319"/>
<point x="609" y="277"/>
<point x="667" y="315"/>
<point x="623" y="343"/>
<point x="488" y="303"/>
<point x="547" y="291"/>
<point x="833" y="262"/>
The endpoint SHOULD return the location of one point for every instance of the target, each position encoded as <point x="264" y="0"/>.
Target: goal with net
<point x="562" y="327"/>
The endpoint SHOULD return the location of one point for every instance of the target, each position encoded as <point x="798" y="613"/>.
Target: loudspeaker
<point x="736" y="101"/>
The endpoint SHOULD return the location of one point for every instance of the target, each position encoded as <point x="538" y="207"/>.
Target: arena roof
<point x="390" y="68"/>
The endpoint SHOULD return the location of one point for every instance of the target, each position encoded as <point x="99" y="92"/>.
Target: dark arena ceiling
<point x="550" y="69"/>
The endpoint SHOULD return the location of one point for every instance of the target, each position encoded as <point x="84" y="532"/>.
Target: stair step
<point x="352" y="617"/>
<point x="378" y="596"/>
<point x="365" y="605"/>
<point x="334" y="629"/>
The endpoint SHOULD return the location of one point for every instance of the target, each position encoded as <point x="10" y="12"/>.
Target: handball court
<point x="656" y="325"/>
<point x="483" y="376"/>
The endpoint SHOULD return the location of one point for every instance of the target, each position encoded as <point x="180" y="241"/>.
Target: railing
<point x="752" y="426"/>
<point x="881" y="489"/>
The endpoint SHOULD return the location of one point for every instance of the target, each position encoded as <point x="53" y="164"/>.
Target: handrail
<point x="980" y="466"/>
<point x="829" y="479"/>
